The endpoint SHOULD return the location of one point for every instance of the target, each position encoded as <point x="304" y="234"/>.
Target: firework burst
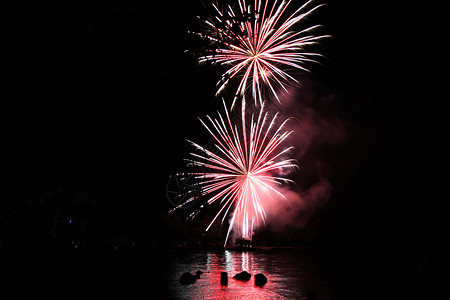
<point x="258" y="44"/>
<point x="242" y="169"/>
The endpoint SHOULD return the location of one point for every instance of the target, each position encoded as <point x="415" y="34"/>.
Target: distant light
<point x="75" y="244"/>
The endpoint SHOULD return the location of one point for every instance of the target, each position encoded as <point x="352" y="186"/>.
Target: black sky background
<point x="103" y="96"/>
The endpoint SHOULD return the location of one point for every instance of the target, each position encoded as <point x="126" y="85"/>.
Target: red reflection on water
<point x="233" y="262"/>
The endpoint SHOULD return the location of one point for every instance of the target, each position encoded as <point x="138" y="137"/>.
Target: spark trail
<point x="259" y="45"/>
<point x="243" y="168"/>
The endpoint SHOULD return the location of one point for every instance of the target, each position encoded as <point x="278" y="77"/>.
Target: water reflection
<point x="227" y="260"/>
<point x="245" y="260"/>
<point x="287" y="273"/>
<point x="291" y="273"/>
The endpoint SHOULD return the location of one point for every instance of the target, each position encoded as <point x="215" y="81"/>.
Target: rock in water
<point x="243" y="276"/>
<point x="224" y="278"/>
<point x="260" y="279"/>
<point x="187" y="278"/>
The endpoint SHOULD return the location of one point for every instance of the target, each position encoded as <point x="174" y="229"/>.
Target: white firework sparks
<point x="259" y="44"/>
<point x="244" y="168"/>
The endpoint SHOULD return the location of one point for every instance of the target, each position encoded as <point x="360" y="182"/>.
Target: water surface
<point x="292" y="273"/>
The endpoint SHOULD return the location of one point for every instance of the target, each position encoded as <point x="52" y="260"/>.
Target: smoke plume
<point x="316" y="125"/>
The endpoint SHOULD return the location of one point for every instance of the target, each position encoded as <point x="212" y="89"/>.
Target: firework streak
<point x="243" y="169"/>
<point x="257" y="43"/>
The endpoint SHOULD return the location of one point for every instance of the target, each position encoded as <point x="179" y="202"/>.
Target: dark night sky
<point x="105" y="92"/>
